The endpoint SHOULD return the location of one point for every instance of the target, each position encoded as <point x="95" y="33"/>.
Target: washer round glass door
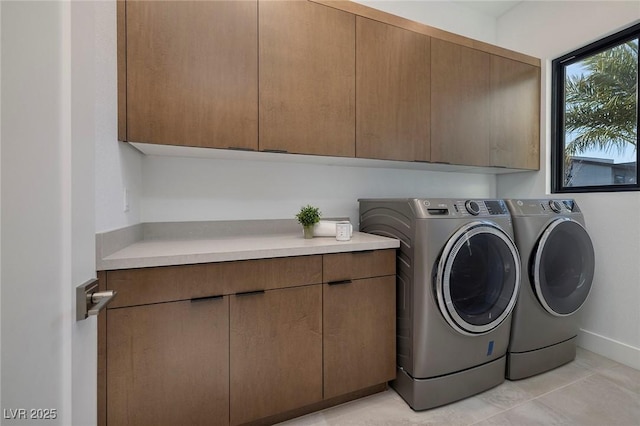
<point x="477" y="278"/>
<point x="562" y="267"/>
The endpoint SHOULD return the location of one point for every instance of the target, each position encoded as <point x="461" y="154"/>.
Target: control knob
<point x="472" y="207"/>
<point x="555" y="206"/>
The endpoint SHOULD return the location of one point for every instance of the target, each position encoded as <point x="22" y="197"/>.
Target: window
<point x="595" y="116"/>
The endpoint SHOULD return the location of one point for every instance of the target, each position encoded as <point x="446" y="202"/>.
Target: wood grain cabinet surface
<point x="248" y="341"/>
<point x="168" y="364"/>
<point x="307" y="78"/>
<point x="460" y="104"/>
<point x="359" y="331"/>
<point x="515" y="108"/>
<point x="485" y="109"/>
<point x="392" y="92"/>
<point x="276" y="352"/>
<point x="359" y="320"/>
<point x="321" y="77"/>
<point x="188" y="73"/>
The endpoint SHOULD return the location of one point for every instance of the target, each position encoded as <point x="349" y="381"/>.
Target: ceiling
<point x="492" y="8"/>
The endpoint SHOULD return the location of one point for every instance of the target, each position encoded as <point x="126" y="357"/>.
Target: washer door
<point x="562" y="267"/>
<point x="477" y="278"/>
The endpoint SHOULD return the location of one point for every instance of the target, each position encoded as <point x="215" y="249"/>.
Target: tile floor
<point x="592" y="390"/>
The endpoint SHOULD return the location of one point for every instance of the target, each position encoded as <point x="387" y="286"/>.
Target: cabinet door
<point x="359" y="334"/>
<point x="393" y="94"/>
<point x="515" y="89"/>
<point x="276" y="352"/>
<point x="168" y="364"/>
<point x="192" y="73"/>
<point x="460" y="104"/>
<point x="307" y="78"/>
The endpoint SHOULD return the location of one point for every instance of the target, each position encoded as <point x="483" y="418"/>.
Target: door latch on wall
<point x="90" y="301"/>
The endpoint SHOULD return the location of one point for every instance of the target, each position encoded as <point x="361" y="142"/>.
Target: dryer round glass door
<point x="477" y="278"/>
<point x="562" y="267"/>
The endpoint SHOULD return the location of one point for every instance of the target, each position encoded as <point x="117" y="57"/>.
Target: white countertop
<point x="175" y="251"/>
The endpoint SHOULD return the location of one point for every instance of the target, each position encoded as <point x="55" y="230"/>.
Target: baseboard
<point x="617" y="351"/>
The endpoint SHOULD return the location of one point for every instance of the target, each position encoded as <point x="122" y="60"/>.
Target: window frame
<point x="558" y="68"/>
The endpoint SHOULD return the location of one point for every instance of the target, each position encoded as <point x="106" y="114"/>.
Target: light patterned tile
<point x="531" y="413"/>
<point x="553" y="379"/>
<point x="592" y="390"/>
<point x="592" y="360"/>
<point x="623" y="376"/>
<point x="464" y="412"/>
<point x="595" y="400"/>
<point x="505" y="396"/>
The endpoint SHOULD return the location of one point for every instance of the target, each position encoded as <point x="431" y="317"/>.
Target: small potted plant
<point x="308" y="216"/>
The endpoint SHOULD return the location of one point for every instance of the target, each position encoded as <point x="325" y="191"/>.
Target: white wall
<point x="32" y="258"/>
<point x="211" y="189"/>
<point x="32" y="338"/>
<point x="445" y="15"/>
<point x="48" y="98"/>
<point x="611" y="318"/>
<point x="117" y="164"/>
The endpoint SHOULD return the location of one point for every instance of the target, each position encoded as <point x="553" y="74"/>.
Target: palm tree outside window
<point x="595" y="116"/>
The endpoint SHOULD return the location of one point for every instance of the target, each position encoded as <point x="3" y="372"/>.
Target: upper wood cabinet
<point x="515" y="108"/>
<point x="307" y="78"/>
<point x="485" y="109"/>
<point x="190" y="73"/>
<point x="460" y="104"/>
<point x="393" y="92"/>
<point x="322" y="77"/>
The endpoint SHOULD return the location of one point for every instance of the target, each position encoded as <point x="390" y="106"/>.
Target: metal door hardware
<point x="90" y="301"/>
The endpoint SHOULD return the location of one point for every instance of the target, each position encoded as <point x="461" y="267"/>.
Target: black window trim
<point x="558" y="106"/>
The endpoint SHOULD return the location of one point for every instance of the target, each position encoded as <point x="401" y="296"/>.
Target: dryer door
<point x="562" y="267"/>
<point x="477" y="278"/>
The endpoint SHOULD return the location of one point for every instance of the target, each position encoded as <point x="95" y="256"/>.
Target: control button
<point x="472" y="207"/>
<point x="568" y="204"/>
<point x="555" y="206"/>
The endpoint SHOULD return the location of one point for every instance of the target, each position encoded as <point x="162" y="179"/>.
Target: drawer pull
<point x="250" y="293"/>
<point x="341" y="282"/>
<point x="205" y="298"/>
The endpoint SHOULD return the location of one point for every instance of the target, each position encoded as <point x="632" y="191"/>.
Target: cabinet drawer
<point x="165" y="284"/>
<point x="358" y="264"/>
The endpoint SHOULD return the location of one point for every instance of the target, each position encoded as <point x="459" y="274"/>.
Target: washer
<point x="557" y="255"/>
<point x="457" y="283"/>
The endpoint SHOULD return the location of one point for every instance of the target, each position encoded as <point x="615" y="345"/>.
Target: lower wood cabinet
<point x="168" y="363"/>
<point x="276" y="352"/>
<point x="359" y="330"/>
<point x="294" y="345"/>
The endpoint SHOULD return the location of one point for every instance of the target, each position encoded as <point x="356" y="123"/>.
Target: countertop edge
<point x="333" y="246"/>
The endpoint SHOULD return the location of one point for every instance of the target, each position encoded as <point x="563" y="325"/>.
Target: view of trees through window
<point x="598" y="117"/>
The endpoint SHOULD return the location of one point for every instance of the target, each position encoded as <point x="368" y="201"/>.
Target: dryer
<point x="558" y="257"/>
<point x="458" y="274"/>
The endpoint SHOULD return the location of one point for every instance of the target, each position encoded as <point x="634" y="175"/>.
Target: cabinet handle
<point x="205" y="298"/>
<point x="250" y="293"/>
<point x="340" y="282"/>
<point x="277" y="151"/>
